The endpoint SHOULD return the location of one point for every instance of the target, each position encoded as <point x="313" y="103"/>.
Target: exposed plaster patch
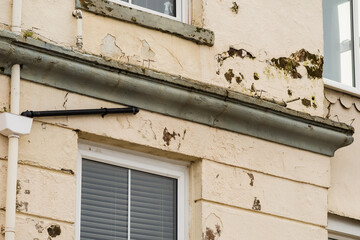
<point x="231" y="53"/>
<point x="146" y="50"/>
<point x="109" y="48"/>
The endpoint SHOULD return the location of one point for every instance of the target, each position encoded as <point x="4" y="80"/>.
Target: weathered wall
<point x="267" y="49"/>
<point x="344" y="193"/>
<point x="241" y="187"/>
<point x="233" y="177"/>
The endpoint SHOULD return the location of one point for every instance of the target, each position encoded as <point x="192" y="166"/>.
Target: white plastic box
<point x="12" y="124"/>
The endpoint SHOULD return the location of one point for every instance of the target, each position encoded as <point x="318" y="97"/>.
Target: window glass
<point x="338" y="41"/>
<point x="167" y="7"/>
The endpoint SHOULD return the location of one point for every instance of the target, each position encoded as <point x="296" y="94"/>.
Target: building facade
<point x="242" y="131"/>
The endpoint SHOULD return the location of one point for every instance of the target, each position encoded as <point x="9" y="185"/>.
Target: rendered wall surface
<point x="232" y="176"/>
<point x="240" y="187"/>
<point x="271" y="50"/>
<point x="344" y="193"/>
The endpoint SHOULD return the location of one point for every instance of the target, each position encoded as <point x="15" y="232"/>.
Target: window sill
<point x="341" y="88"/>
<point x="109" y="9"/>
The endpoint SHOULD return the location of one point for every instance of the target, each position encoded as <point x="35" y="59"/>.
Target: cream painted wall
<point x="236" y="178"/>
<point x="344" y="193"/>
<point x="268" y="30"/>
<point x="250" y="188"/>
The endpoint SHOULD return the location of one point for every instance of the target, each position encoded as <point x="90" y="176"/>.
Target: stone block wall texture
<point x="240" y="187"/>
<point x="234" y="178"/>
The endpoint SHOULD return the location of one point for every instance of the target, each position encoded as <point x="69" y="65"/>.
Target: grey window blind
<point x="105" y="206"/>
<point x="104" y="201"/>
<point x="153" y="207"/>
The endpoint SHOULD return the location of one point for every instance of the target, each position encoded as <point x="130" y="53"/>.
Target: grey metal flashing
<point x="170" y="95"/>
<point x="109" y="9"/>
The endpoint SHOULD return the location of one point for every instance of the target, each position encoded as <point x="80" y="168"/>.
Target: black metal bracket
<point x="102" y="111"/>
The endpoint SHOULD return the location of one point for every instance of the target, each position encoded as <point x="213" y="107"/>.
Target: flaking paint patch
<point x="213" y="229"/>
<point x="109" y="48"/>
<point x="251" y="176"/>
<point x="235" y="8"/>
<point x="167" y="136"/>
<point x="313" y="64"/>
<point x="231" y="53"/>
<point x="256" y="205"/>
<point x="54" y="230"/>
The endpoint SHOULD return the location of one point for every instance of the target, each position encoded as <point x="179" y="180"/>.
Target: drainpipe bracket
<point x="12" y="125"/>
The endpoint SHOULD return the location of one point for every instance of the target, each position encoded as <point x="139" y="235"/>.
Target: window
<point x="341" y="44"/>
<point x="174" y="9"/>
<point x="126" y="195"/>
<point x="342" y="228"/>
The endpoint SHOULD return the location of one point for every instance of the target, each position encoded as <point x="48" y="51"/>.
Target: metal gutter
<point x="170" y="95"/>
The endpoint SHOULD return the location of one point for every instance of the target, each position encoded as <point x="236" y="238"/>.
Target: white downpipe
<point x="79" y="39"/>
<point x="13" y="149"/>
<point x="16" y="16"/>
<point x="12" y="157"/>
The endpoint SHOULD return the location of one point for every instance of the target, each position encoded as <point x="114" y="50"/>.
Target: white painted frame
<point x="182" y="9"/>
<point x="352" y="90"/>
<point x="343" y="228"/>
<point x="142" y="162"/>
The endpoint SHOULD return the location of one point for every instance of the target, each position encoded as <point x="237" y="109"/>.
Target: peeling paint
<point x="54" y="230"/>
<point x="229" y="75"/>
<point x="251" y="176"/>
<point x="256" y="205"/>
<point x="67" y="171"/>
<point x="22" y="206"/>
<point x="289" y="92"/>
<point x="214" y="228"/>
<point x="306" y="102"/>
<point x="235" y="8"/>
<point x="232" y="53"/>
<point x="313" y="64"/>
<point x="109" y="48"/>
<point x="167" y="136"/>
<point x="39" y="227"/>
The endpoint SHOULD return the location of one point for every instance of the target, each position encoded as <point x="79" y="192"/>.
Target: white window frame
<point x="142" y="162"/>
<point x="352" y="90"/>
<point x="182" y="9"/>
<point x="343" y="228"/>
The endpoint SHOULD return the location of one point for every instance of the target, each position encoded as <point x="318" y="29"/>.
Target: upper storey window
<point x="174" y="9"/>
<point x="341" y="43"/>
